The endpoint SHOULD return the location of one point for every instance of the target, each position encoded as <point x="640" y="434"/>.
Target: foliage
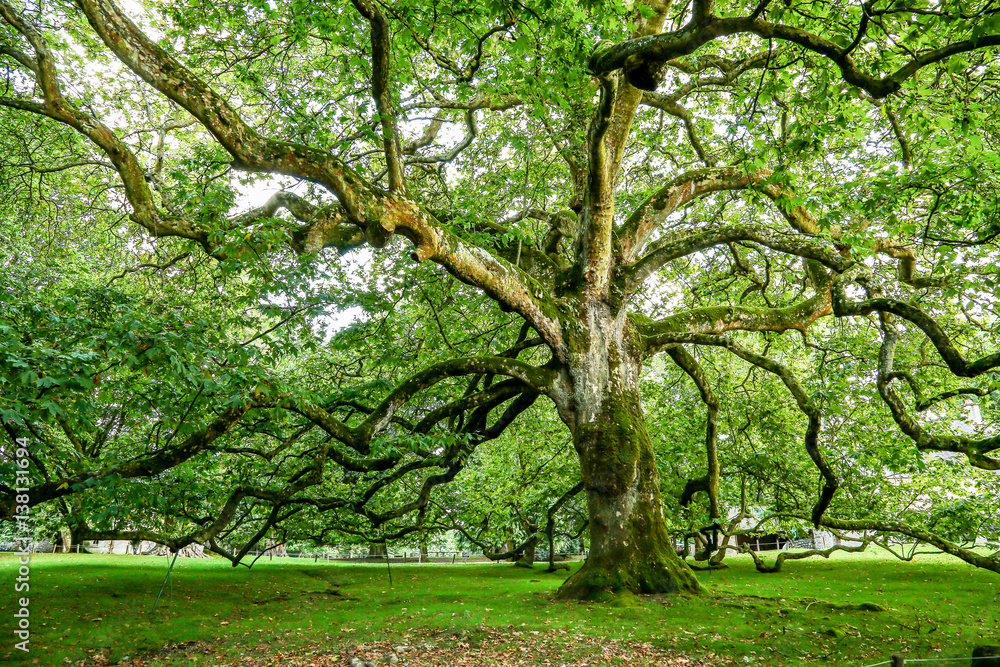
<point x="794" y="203"/>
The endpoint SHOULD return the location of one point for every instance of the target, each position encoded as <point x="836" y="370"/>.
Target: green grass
<point x="83" y="605"/>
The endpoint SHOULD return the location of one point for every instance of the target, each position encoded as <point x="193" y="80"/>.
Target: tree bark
<point x="65" y="539"/>
<point x="527" y="558"/>
<point x="630" y="548"/>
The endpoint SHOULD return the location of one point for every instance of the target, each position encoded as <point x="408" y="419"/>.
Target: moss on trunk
<point x="631" y="550"/>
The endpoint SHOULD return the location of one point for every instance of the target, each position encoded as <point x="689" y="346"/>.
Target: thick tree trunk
<point x="65" y="539"/>
<point x="509" y="544"/>
<point x="527" y="559"/>
<point x="630" y="549"/>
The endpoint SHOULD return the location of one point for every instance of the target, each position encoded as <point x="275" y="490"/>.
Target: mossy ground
<point x="84" y="605"/>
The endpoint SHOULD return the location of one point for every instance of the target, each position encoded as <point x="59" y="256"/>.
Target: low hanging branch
<point x="975" y="450"/>
<point x="991" y="563"/>
<point x="710" y="482"/>
<point x="763" y="567"/>
<point x="550" y="521"/>
<point x="803" y="400"/>
<point x="956" y="362"/>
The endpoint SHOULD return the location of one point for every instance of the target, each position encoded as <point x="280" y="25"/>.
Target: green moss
<point x="626" y="599"/>
<point x="600" y="596"/>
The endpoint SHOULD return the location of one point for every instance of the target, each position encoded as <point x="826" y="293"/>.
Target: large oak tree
<point x="626" y="179"/>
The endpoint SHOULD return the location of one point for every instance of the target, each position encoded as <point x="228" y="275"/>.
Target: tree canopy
<point x="767" y="229"/>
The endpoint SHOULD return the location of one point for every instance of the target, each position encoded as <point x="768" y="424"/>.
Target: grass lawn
<point x="95" y="610"/>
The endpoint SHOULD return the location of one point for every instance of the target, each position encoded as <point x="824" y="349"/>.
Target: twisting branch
<point x="663" y="103"/>
<point x="759" y="9"/>
<point x="360" y="436"/>
<point x="462" y="74"/>
<point x="426" y="138"/>
<point x="730" y="71"/>
<point x="763" y="567"/>
<point x="968" y="555"/>
<point x="477" y="59"/>
<point x="975" y="450"/>
<point x="843" y="307"/>
<point x="146" y="265"/>
<point x="472" y="131"/>
<point x="704" y="28"/>
<point x="550" y="521"/>
<point x="710" y="482"/>
<point x="206" y="533"/>
<point x="802" y="399"/>
<point x="866" y="15"/>
<point x="922" y="403"/>
<point x="250" y="150"/>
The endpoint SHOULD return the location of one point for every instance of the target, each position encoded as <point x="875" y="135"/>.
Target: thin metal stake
<point x="164" y="585"/>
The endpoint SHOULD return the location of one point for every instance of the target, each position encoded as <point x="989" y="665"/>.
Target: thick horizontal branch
<point x="488" y="102"/>
<point x="719" y="319"/>
<point x="144" y="466"/>
<point x="324" y="227"/>
<point x="685" y="243"/>
<point x="957" y="364"/>
<point x="763" y="567"/>
<point x="68" y="165"/>
<point x="637" y="55"/>
<point x="652" y="213"/>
